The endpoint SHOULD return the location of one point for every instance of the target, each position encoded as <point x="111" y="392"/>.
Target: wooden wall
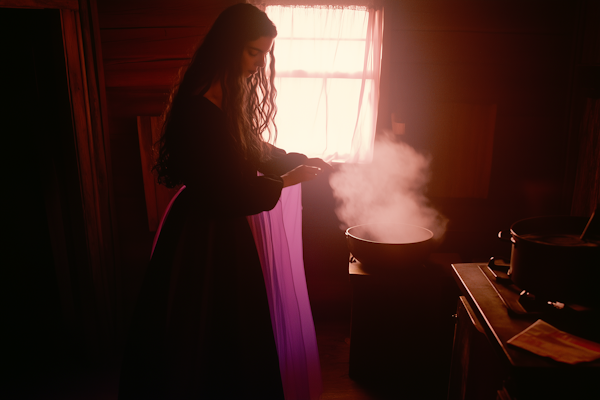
<point x="515" y="56"/>
<point x="145" y="43"/>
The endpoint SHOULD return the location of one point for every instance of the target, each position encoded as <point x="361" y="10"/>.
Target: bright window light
<point x="325" y="79"/>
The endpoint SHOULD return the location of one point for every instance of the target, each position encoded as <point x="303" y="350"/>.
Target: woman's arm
<point x="282" y="163"/>
<point x="300" y="174"/>
<point x="214" y="169"/>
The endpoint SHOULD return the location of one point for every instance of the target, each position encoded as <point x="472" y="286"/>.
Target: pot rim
<point x="516" y="227"/>
<point x="348" y="234"/>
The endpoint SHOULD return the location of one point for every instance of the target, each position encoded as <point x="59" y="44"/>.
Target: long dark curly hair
<point x="248" y="103"/>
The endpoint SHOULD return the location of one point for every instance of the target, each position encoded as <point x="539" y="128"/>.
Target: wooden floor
<point x="334" y="347"/>
<point x="333" y="338"/>
<point x="427" y="381"/>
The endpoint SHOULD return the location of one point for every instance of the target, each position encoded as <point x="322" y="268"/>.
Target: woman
<point x="202" y="327"/>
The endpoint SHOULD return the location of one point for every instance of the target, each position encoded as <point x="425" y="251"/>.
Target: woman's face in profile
<point x="255" y="54"/>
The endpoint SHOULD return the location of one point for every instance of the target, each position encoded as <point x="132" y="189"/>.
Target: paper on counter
<point x="544" y="339"/>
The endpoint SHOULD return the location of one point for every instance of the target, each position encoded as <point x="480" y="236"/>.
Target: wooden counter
<point x="510" y="372"/>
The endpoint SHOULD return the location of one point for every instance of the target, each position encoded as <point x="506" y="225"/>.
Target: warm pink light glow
<point x="326" y="91"/>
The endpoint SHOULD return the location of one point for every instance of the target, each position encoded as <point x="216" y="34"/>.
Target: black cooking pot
<point x="388" y="248"/>
<point x="550" y="261"/>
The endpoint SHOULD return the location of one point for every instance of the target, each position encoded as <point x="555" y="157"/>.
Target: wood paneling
<point x="512" y="54"/>
<point x="139" y="75"/>
<point x="132" y="101"/>
<point x="462" y="158"/>
<point x="145" y="44"/>
<point x="160" y="13"/>
<point x="150" y="44"/>
<point x="587" y="182"/>
<point x="506" y="16"/>
<point x="56" y="4"/>
<point x="84" y="74"/>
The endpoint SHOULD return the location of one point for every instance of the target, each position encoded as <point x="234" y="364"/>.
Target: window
<point x="328" y="65"/>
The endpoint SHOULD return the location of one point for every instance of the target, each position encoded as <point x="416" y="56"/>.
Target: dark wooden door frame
<point x="85" y="79"/>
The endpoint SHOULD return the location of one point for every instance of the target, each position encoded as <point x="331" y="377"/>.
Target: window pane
<point x="322" y="23"/>
<point x="319" y="56"/>
<point x="326" y="96"/>
<point x="318" y="116"/>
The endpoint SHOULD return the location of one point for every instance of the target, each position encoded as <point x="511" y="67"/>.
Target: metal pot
<point x="388" y="248"/>
<point x="550" y="261"/>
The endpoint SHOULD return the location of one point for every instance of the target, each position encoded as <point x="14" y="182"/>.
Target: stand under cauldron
<point x="401" y="328"/>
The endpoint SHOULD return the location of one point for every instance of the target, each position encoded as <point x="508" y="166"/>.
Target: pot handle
<point x="506" y="236"/>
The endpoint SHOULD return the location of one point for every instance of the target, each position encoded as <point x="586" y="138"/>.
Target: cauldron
<point x="389" y="248"/>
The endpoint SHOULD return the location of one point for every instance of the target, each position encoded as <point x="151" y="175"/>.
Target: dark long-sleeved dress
<point x="202" y="327"/>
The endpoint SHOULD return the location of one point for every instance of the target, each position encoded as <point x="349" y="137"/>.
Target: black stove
<point x="577" y="319"/>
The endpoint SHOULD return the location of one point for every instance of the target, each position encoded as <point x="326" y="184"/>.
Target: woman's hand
<point x="317" y="162"/>
<point x="300" y="174"/>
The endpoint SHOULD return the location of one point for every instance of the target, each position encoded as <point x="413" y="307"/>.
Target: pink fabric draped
<point x="278" y="237"/>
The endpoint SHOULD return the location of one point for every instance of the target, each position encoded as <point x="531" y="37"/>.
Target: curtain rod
<point x="342" y="3"/>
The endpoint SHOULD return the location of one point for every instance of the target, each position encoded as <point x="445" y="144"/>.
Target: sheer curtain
<point x="328" y="61"/>
<point x="278" y="237"/>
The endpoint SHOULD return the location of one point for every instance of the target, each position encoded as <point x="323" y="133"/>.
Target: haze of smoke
<point x="389" y="190"/>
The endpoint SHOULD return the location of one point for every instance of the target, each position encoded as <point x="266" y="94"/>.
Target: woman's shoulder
<point x="202" y="123"/>
<point x="200" y="105"/>
<point x="199" y="112"/>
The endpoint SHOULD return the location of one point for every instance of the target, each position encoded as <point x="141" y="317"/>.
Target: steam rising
<point x="389" y="190"/>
